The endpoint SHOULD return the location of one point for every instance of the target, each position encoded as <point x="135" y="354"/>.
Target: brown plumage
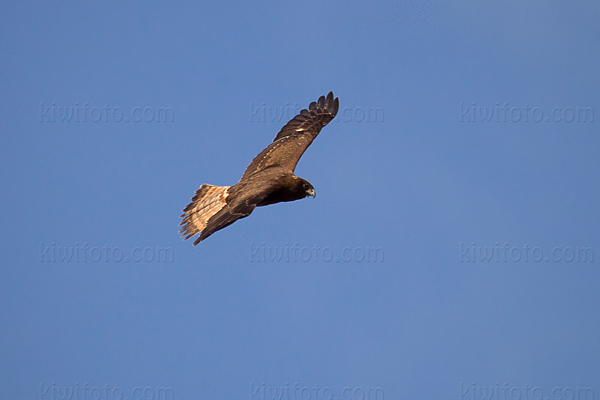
<point x="269" y="178"/>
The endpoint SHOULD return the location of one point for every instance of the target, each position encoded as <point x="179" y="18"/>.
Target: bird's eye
<point x="305" y="186"/>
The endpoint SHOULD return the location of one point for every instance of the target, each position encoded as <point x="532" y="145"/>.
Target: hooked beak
<point x="311" y="192"/>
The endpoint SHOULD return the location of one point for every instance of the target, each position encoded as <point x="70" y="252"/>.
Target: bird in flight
<point x="269" y="178"/>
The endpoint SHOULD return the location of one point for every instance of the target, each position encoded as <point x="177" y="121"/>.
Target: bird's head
<point x="304" y="187"/>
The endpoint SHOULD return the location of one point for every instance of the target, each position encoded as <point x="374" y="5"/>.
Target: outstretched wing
<point x="295" y="137"/>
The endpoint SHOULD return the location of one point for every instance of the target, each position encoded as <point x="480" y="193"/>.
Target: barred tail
<point x="207" y="201"/>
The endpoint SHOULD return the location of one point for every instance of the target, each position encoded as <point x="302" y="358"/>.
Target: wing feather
<point x="295" y="137"/>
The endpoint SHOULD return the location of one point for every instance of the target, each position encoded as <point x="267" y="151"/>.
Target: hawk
<point x="269" y="178"/>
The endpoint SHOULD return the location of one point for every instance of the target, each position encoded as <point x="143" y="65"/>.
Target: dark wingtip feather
<point x="336" y="106"/>
<point x="322" y="102"/>
<point x="332" y="104"/>
<point x="319" y="114"/>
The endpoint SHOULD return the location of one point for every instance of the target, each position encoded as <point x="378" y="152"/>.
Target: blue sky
<point x="451" y="252"/>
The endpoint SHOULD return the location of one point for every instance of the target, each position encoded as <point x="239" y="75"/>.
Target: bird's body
<point x="269" y="178"/>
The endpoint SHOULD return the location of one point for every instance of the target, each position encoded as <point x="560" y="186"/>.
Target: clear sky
<point x="451" y="252"/>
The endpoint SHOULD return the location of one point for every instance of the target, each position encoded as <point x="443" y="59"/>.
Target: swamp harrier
<point x="269" y="178"/>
